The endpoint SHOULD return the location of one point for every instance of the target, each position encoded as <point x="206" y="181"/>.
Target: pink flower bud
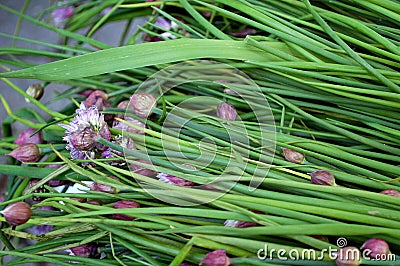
<point x="374" y="248"/>
<point x="125" y="204"/>
<point x="138" y="169"/>
<point x="348" y="256"/>
<point x="62" y="13"/>
<point x="86" y="93"/>
<point x="226" y="111"/>
<point x="104" y="188"/>
<point x="84" y="140"/>
<point x="174" y="180"/>
<point x="216" y="258"/>
<point x="24" y="137"/>
<point x="293" y="156"/>
<point x="26" y="153"/>
<point x="391" y="192"/>
<point x="322" y="177"/>
<point x="143" y="104"/>
<point x="122" y="105"/>
<point x="239" y="224"/>
<point x="17" y="213"/>
<point x="97" y="98"/>
<point x="89" y="250"/>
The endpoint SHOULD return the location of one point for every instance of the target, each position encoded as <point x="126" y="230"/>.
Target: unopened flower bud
<point x="174" y="180"/>
<point x="35" y="91"/>
<point x="62" y="13"/>
<point x="122" y="105"/>
<point x="293" y="156"/>
<point x="138" y="169"/>
<point x="26" y="153"/>
<point x="239" y="224"/>
<point x="25" y="137"/>
<point x="391" y="192"/>
<point x="216" y="258"/>
<point x="143" y="104"/>
<point x="98" y="98"/>
<point x="104" y="188"/>
<point x="375" y="248"/>
<point x="89" y="250"/>
<point x="322" y="177"/>
<point x="17" y="213"/>
<point x="226" y="111"/>
<point x="348" y="256"/>
<point x="86" y="93"/>
<point x="125" y="204"/>
<point x="84" y="140"/>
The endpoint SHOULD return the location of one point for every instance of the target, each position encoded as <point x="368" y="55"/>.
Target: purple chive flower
<point x="82" y="133"/>
<point x="216" y="258"/>
<point x="174" y="180"/>
<point x="62" y="13"/>
<point x="89" y="250"/>
<point x="24" y="137"/>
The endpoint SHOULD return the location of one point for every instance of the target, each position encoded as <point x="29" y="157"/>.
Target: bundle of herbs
<point x="219" y="133"/>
